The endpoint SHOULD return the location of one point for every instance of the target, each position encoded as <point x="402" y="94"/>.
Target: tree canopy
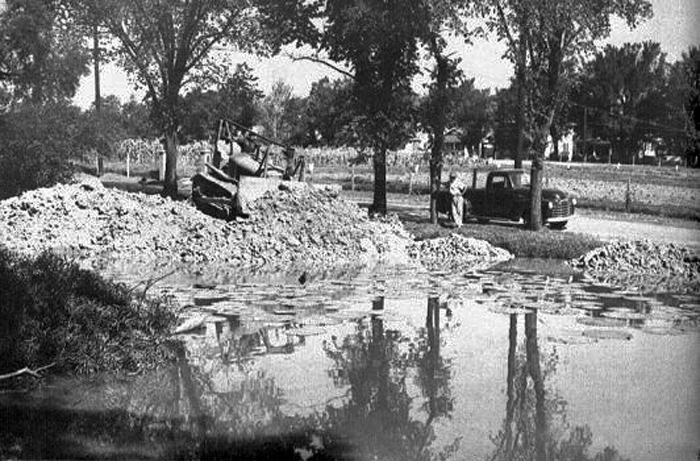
<point x="41" y="56"/>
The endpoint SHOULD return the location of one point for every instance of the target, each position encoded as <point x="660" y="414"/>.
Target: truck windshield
<point x="521" y="179"/>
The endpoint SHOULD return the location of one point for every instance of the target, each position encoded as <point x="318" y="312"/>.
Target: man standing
<point x="456" y="191"/>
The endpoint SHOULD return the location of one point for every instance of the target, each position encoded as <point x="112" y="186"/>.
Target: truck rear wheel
<point x="558" y="225"/>
<point x="466" y="210"/>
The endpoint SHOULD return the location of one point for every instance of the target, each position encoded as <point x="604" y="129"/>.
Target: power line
<point x="628" y="117"/>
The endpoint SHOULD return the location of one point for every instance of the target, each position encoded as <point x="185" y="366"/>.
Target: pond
<point x="526" y="360"/>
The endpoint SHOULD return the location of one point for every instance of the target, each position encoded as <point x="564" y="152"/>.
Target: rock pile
<point x="644" y="264"/>
<point x="456" y="251"/>
<point x="299" y="227"/>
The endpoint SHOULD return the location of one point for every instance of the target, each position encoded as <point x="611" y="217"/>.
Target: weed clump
<point x="55" y="312"/>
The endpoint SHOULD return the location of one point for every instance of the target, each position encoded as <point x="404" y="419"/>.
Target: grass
<point x="55" y="312"/>
<point x="522" y="243"/>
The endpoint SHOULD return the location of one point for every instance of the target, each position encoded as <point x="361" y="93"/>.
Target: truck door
<point x="499" y="196"/>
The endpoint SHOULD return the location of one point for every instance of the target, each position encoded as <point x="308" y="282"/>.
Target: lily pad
<point x="624" y="315"/>
<point x="662" y="330"/>
<point x="600" y="322"/>
<point x="599" y="333"/>
<point x="508" y="310"/>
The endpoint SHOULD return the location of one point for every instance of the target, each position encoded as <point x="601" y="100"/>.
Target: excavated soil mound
<point x="644" y="265"/>
<point x="456" y="251"/>
<point x="303" y="226"/>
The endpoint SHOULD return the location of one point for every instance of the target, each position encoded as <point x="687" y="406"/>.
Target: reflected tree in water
<point x="535" y="425"/>
<point x="375" y="364"/>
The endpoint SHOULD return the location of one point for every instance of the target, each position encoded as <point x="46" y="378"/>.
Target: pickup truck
<point x="507" y="197"/>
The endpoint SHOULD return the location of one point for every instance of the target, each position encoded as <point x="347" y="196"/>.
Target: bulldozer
<point x="241" y="170"/>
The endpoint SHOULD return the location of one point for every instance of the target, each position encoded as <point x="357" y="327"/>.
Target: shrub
<point x="55" y="312"/>
<point x="36" y="146"/>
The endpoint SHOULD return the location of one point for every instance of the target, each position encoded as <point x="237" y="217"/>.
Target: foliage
<point x="53" y="311"/>
<point x="236" y="97"/>
<point x="41" y="56"/>
<point x="625" y="87"/>
<point x="274" y="111"/>
<point x="505" y="123"/>
<point x="473" y="112"/>
<point x="682" y="102"/>
<point x="100" y="131"/>
<point x="330" y="112"/>
<point x="136" y="120"/>
<point x="36" y="145"/>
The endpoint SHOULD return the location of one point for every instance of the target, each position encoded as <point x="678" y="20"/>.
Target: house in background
<point x="453" y="144"/>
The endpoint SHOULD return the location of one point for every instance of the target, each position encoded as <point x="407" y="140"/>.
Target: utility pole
<point x="98" y="99"/>
<point x="585" y="133"/>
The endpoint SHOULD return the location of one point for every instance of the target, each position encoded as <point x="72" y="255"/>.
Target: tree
<point x="441" y="16"/>
<point x="378" y="40"/>
<point x="168" y="45"/>
<point x="682" y="100"/>
<point x="505" y="119"/>
<point x="37" y="143"/>
<point x="136" y="120"/>
<point x="473" y="112"/>
<point x="41" y="56"/>
<point x="543" y="40"/>
<point x="273" y="110"/>
<point x="330" y="111"/>
<point x="235" y="97"/>
<point x="623" y="91"/>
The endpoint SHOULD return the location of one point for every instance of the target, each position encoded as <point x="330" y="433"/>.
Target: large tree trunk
<point x="520" y="122"/>
<point x="379" y="205"/>
<point x="438" y="127"/>
<point x="435" y="173"/>
<point x="170" y="184"/>
<point x="536" y="175"/>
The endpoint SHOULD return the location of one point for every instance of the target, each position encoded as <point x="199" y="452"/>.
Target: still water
<point x="523" y="361"/>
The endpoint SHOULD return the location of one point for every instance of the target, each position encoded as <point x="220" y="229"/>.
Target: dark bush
<point x="37" y="144"/>
<point x="55" y="312"/>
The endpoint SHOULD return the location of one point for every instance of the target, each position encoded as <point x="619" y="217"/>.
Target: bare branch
<point x="27" y="371"/>
<point x="318" y="60"/>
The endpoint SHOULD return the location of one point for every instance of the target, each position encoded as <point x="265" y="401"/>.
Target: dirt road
<point x="608" y="228"/>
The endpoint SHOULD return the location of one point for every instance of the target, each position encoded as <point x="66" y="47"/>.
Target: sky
<point x="675" y="25"/>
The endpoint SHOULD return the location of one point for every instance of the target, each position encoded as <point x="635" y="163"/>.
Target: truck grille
<point x="561" y="209"/>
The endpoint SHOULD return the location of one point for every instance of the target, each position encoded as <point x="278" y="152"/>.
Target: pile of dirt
<point x="300" y="227"/>
<point x="456" y="251"/>
<point x="644" y="265"/>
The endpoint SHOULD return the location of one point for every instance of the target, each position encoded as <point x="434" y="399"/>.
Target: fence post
<point x="161" y="165"/>
<point x="352" y="178"/>
<point x="128" y="164"/>
<point x="628" y="197"/>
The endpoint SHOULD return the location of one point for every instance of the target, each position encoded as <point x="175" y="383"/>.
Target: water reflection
<point x="535" y="426"/>
<point x="377" y="368"/>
